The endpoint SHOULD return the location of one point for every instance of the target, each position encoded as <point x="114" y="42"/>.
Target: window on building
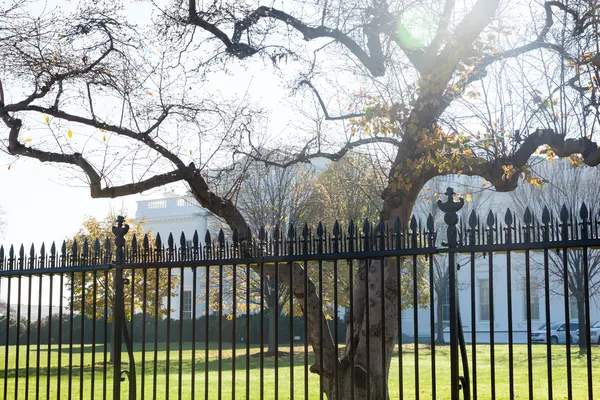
<point x="534" y="298"/>
<point x="187" y="304"/>
<point x="484" y="300"/>
<point x="446" y="305"/>
<point x="573" y="309"/>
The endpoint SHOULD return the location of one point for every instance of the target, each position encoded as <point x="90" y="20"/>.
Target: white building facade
<point x="173" y="213"/>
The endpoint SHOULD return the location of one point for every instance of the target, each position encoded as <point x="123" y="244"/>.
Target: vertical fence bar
<point x="473" y="230"/>
<point x="180" y="333"/>
<point x="206" y="326"/>
<point x="397" y="234"/>
<point x="50" y="316"/>
<point x="38" y="340"/>
<point x="118" y="305"/>
<point x="491" y="222"/>
<point x="194" y="312"/>
<point x="415" y="305"/>
<point x="7" y="339"/>
<point x="28" y="337"/>
<point x="144" y="315"/>
<point x="584" y="215"/>
<point x="450" y="208"/>
<point x="17" y="369"/>
<point x="431" y="243"/>
<point x="71" y="320"/>
<point x="546" y="238"/>
<point x="82" y="338"/>
<point x="156" y="321"/>
<point x="94" y="322"/>
<point x="105" y="336"/>
<point x="247" y="331"/>
<point x="508" y="219"/>
<point x="527" y="238"/>
<point x="564" y="218"/>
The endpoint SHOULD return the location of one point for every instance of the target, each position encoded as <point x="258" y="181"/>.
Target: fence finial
<point x="450" y="208"/>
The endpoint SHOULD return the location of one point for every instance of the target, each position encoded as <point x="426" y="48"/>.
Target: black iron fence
<point x="275" y="314"/>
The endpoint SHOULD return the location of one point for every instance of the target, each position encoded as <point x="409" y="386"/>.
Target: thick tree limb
<point x="563" y="147"/>
<point x="139" y="136"/>
<point x="374" y="63"/>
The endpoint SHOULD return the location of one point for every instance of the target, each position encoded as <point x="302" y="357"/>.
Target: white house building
<point x="172" y="213"/>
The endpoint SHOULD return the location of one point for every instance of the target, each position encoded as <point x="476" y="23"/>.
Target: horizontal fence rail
<point x="489" y="306"/>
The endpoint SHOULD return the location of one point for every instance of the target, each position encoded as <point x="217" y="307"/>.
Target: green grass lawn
<point x="93" y="375"/>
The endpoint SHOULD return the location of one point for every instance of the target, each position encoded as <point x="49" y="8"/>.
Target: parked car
<point x="558" y="333"/>
<point x="595" y="332"/>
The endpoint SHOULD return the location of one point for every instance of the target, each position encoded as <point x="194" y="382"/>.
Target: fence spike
<point x="171" y="242"/>
<point x="146" y="242"/>
<point x="546" y="216"/>
<point x="413" y="224"/>
<point x="196" y="240"/>
<point x="527" y="218"/>
<point x="336" y="229"/>
<point x="235" y="236"/>
<point x="53" y="250"/>
<point x="366" y="227"/>
<point x="351" y="228"/>
<point x="583" y="212"/>
<point x="96" y="246"/>
<point x="430" y="224"/>
<point x="262" y="234"/>
<point x="158" y="242"/>
<point x="21" y="253"/>
<point x="134" y="244"/>
<point x="182" y="243"/>
<point x="320" y="230"/>
<point x="473" y="220"/>
<point x="86" y="248"/>
<point x="32" y="251"/>
<point x="490" y="219"/>
<point x="508" y="218"/>
<point x="74" y="249"/>
<point x="42" y="252"/>
<point x="11" y="256"/>
<point x="276" y="233"/>
<point x="63" y="249"/>
<point x="207" y="238"/>
<point x="1" y="253"/>
<point x="305" y="231"/>
<point x="221" y="238"/>
<point x="564" y="214"/>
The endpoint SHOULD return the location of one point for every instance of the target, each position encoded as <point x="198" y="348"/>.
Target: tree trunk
<point x="583" y="346"/>
<point x="440" y="319"/>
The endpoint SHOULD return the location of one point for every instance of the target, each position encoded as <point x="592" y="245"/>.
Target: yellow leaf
<point x="69" y="133"/>
<point x="47" y="119"/>
<point x="28" y="139"/>
<point x="149" y="93"/>
<point x="104" y="138"/>
<point x="52" y="59"/>
<point x="9" y="167"/>
<point x="101" y="129"/>
<point x="107" y="72"/>
<point x="484" y="182"/>
<point x="468" y="197"/>
<point x="427" y="189"/>
<point x="190" y="152"/>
